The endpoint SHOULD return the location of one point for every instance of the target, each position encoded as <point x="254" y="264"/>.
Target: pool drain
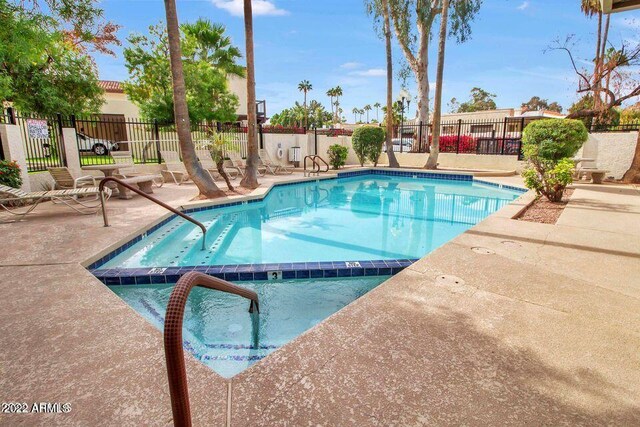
<point x="483" y="251"/>
<point x="511" y="244"/>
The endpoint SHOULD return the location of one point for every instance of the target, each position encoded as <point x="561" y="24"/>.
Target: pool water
<point x="222" y="334"/>
<point x="361" y="218"/>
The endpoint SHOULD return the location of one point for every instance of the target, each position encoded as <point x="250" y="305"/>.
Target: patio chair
<point x="176" y="171"/>
<point x="64" y="180"/>
<point x="210" y="166"/>
<point x="129" y="169"/>
<point x="9" y="197"/>
<point x="272" y="166"/>
<point x="240" y="165"/>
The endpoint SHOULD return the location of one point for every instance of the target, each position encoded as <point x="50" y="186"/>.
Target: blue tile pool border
<point x="253" y="272"/>
<point x="142" y="275"/>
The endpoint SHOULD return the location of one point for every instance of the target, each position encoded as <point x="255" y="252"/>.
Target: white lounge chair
<point x="210" y="166"/>
<point x="64" y="180"/>
<point x="240" y="165"/>
<point x="129" y="169"/>
<point x="176" y="171"/>
<point x="272" y="166"/>
<point x="9" y="197"/>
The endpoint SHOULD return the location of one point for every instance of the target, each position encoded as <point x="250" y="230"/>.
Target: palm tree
<point x="432" y="161"/>
<point x="355" y="114"/>
<point x="591" y="8"/>
<point x="377" y="107"/>
<point x="203" y="180"/>
<point x="367" y="108"/>
<point x="250" y="179"/>
<point x="337" y="94"/>
<point x="305" y="86"/>
<point x="331" y="93"/>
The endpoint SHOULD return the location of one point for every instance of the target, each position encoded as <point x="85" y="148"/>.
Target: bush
<point x="367" y="143"/>
<point x="337" y="155"/>
<point x="547" y="146"/>
<point x="10" y="174"/>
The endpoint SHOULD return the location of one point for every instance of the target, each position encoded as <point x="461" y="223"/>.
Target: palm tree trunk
<point x="202" y="179"/>
<point x="596" y="72"/>
<point x="250" y="179"/>
<point x="393" y="162"/>
<point x="432" y="161"/>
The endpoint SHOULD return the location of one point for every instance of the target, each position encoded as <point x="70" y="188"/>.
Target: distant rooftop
<point x="611" y="6"/>
<point x="111" y="86"/>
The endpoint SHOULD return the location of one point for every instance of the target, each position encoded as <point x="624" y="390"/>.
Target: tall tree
<point x="434" y="151"/>
<point x="200" y="177"/>
<point x="380" y="11"/>
<point x="412" y="22"/>
<point x="250" y="179"/>
<point x="337" y="93"/>
<point x="367" y="108"/>
<point x="538" y="104"/>
<point x="480" y="100"/>
<point x="331" y="93"/>
<point x="355" y="112"/>
<point x="377" y="106"/>
<point x="305" y="86"/>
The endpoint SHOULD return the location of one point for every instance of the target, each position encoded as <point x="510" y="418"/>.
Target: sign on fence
<point x="38" y="129"/>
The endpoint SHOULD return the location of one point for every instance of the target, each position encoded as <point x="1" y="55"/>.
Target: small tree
<point x="367" y="143"/>
<point x="548" y="146"/>
<point x="218" y="143"/>
<point x="337" y="155"/>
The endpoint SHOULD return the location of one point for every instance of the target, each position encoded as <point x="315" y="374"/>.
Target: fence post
<point x="260" y="135"/>
<point x="504" y="136"/>
<point x="12" y="116"/>
<point x="459" y="132"/>
<point x="156" y="132"/>
<point x="62" y="144"/>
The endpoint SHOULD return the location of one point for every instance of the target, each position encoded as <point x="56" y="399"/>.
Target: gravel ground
<point x="544" y="211"/>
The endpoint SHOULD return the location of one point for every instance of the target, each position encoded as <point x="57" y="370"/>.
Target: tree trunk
<point x="250" y="179"/>
<point x="597" y="60"/>
<point x="222" y="172"/>
<point x="306" y="111"/>
<point x="432" y="161"/>
<point x="632" y="176"/>
<point x="198" y="175"/>
<point x="393" y="162"/>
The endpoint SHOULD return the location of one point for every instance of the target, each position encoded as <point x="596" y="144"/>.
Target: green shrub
<point x="10" y="174"/>
<point x="547" y="146"/>
<point x="367" y="143"/>
<point x="337" y="155"/>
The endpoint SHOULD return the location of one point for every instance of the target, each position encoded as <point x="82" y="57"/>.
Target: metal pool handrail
<point x="148" y="197"/>
<point x="316" y="166"/>
<point x="173" y="350"/>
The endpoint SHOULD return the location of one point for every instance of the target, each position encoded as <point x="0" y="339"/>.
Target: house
<point x="612" y="6"/>
<point x="118" y="107"/>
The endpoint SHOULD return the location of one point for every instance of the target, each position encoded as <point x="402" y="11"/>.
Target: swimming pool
<point x="373" y="223"/>
<point x="221" y="333"/>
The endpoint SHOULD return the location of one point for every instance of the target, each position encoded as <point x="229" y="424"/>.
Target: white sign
<point x="274" y="275"/>
<point x="38" y="129"/>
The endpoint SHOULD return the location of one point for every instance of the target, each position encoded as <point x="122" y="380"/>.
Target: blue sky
<point x="332" y="42"/>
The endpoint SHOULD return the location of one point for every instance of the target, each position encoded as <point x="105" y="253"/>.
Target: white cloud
<point x="259" y="7"/>
<point x="351" y="65"/>
<point x="371" y="72"/>
<point x="524" y="5"/>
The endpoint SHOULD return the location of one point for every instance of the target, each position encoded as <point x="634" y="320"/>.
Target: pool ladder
<point x="173" y="349"/>
<point x="148" y="197"/>
<point x="317" y="166"/>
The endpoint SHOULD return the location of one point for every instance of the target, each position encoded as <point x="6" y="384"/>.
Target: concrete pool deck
<point x="540" y="324"/>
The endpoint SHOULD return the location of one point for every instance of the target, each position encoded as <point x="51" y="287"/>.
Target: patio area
<point x="509" y="323"/>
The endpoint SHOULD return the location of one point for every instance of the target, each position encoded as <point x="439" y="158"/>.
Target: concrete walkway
<point x="511" y="323"/>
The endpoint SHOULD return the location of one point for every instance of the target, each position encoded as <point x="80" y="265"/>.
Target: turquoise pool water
<point x="219" y="330"/>
<point x="369" y="217"/>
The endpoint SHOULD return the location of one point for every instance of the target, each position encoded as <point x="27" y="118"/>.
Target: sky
<point x="333" y="42"/>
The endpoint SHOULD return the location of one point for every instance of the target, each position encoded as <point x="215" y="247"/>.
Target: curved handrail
<point x="316" y="166"/>
<point x="173" y="349"/>
<point x="148" y="197"/>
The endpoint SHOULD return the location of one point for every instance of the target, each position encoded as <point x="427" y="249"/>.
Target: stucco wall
<point x="613" y="151"/>
<point x="118" y="103"/>
<point x="462" y="161"/>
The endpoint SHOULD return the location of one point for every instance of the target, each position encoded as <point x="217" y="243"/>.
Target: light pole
<point x="401" y="104"/>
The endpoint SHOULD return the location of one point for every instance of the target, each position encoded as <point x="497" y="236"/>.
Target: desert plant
<point x="337" y="155"/>
<point x="547" y="146"/>
<point x="10" y="173"/>
<point x="367" y="143"/>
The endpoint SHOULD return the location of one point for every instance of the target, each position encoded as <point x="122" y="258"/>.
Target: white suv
<point x="100" y="147"/>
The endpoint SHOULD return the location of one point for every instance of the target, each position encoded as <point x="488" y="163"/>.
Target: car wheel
<point x="99" y="150"/>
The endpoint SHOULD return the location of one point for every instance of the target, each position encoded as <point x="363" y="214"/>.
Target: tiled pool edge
<point x="253" y="272"/>
<point x="124" y="276"/>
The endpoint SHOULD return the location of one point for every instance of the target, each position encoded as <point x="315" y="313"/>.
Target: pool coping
<point x="265" y="271"/>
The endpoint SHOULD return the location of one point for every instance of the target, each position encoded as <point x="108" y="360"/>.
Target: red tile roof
<point x="111" y="86"/>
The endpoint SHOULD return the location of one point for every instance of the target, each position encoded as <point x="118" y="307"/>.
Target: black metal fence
<point x="42" y="136"/>
<point x="97" y="136"/>
<point x="621" y="127"/>
<point x="486" y="137"/>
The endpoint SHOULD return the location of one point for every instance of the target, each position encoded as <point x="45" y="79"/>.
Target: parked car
<point x="407" y="144"/>
<point x="100" y="147"/>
